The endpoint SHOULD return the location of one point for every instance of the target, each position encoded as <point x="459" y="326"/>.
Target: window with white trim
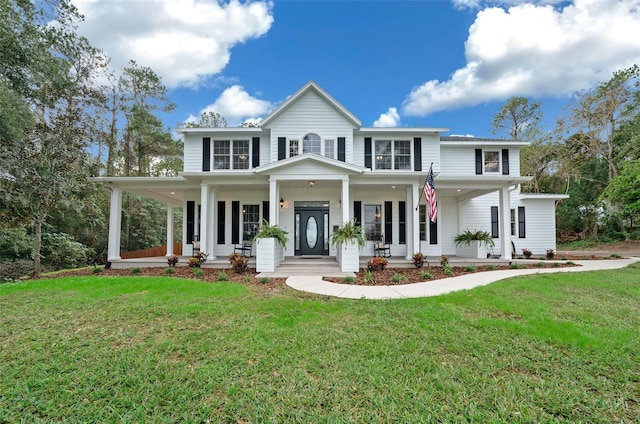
<point x="223" y="158"/>
<point x="311" y="143"/>
<point x="330" y="149"/>
<point x="491" y="161"/>
<point x="250" y="221"/>
<point x="393" y="154"/>
<point x="373" y="222"/>
<point x="293" y="148"/>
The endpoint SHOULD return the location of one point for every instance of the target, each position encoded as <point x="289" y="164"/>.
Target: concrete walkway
<point x="315" y="284"/>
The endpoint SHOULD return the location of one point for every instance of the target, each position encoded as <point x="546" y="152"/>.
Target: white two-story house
<point x="311" y="166"/>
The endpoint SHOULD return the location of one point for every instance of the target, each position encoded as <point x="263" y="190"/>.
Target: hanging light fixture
<point x="312" y="183"/>
<point x="281" y="203"/>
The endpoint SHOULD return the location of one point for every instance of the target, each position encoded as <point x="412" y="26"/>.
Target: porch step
<point x="323" y="266"/>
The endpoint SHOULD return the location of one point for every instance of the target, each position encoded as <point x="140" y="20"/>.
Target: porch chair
<point x="246" y="248"/>
<point x="196" y="246"/>
<point x="381" y="248"/>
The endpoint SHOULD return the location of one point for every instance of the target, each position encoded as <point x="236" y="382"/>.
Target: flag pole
<point x="425" y="183"/>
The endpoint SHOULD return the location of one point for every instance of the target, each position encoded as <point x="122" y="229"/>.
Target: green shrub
<point x="136" y="270"/>
<point x="368" y="277"/>
<point x="470" y="268"/>
<point x="427" y="275"/>
<point x="570" y="263"/>
<point x="348" y="280"/>
<point x="11" y="271"/>
<point x="515" y="265"/>
<point x="197" y="272"/>
<point x="396" y="278"/>
<point x="169" y="271"/>
<point x="61" y="251"/>
<point x="448" y="271"/>
<point x="15" y="244"/>
<point x="264" y="280"/>
<point x="539" y="264"/>
<point x="491" y="267"/>
<point x="222" y="276"/>
<point x="615" y="256"/>
<point x="97" y="270"/>
<point x="247" y="279"/>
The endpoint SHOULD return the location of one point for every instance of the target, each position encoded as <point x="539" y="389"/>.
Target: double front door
<point x="311" y="231"/>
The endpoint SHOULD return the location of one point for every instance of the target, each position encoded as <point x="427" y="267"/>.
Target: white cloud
<point x="536" y="50"/>
<point x="183" y="41"/>
<point x="238" y="106"/>
<point x="389" y="119"/>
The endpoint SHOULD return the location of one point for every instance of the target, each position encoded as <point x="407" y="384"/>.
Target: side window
<point x="293" y="148"/>
<point x="329" y="149"/>
<point x="513" y="222"/>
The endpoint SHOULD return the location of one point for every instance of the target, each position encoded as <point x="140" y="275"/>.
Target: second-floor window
<point x="231" y="154"/>
<point x="491" y="161"/>
<point x="312" y="143"/>
<point x="393" y="154"/>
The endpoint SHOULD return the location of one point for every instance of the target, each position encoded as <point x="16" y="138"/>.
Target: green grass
<point x="545" y="348"/>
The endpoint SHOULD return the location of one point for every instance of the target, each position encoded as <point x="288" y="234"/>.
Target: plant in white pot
<point x="473" y="243"/>
<point x="349" y="239"/>
<point x="270" y="242"/>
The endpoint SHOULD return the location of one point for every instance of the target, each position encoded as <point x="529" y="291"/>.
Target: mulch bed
<point x="416" y="275"/>
<point x="378" y="278"/>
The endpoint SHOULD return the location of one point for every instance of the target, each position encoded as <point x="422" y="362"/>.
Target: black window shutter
<point x="255" y="152"/>
<point x="417" y="154"/>
<point x="357" y="212"/>
<point x="341" y="148"/>
<point x="191" y="214"/>
<point x="367" y="153"/>
<point x="495" y="230"/>
<point x="433" y="233"/>
<point x="282" y="148"/>
<point x="478" y="161"/>
<point x="388" y="224"/>
<point x="505" y="161"/>
<point x="402" y="219"/>
<point x="206" y="154"/>
<point x="522" y="230"/>
<point x="265" y="210"/>
<point x="235" y="222"/>
<point x="222" y="206"/>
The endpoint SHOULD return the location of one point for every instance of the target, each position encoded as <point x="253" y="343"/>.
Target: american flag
<point x="430" y="195"/>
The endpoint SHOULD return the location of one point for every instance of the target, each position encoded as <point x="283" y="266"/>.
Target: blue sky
<point x="392" y="63"/>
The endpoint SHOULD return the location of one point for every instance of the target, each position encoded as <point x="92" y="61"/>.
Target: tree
<point x="516" y="115"/>
<point x="43" y="165"/>
<point x="207" y="120"/>
<point x="624" y="191"/>
<point x="599" y="112"/>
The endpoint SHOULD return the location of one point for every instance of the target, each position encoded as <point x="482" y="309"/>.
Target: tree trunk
<point x="37" y="247"/>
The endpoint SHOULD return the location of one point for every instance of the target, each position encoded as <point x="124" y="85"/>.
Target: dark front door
<point x="311" y="232"/>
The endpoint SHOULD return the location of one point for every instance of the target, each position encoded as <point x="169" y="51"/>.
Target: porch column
<point x="204" y="222"/>
<point x="346" y="209"/>
<point x="274" y="208"/>
<point x="505" y="223"/>
<point x="115" y="224"/>
<point x="169" y="230"/>
<point x="415" y="221"/>
<point x="211" y="233"/>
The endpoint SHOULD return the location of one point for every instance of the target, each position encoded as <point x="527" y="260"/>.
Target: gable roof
<point x="311" y="86"/>
<point x="310" y="158"/>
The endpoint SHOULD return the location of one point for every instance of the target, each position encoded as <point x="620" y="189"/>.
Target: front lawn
<point x="552" y="347"/>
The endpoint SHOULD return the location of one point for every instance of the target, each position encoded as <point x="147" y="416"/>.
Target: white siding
<point x="476" y="215"/>
<point x="311" y="114"/>
<point x="461" y="161"/>
<point x="540" y="223"/>
<point x="192" y="153"/>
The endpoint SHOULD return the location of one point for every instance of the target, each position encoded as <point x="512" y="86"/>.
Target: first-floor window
<point x="373" y="222"/>
<point x="513" y="222"/>
<point x="423" y="222"/>
<point x="250" y="221"/>
<point x="522" y="229"/>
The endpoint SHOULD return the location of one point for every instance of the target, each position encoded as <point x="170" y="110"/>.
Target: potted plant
<point x="270" y="242"/>
<point x="473" y="244"/>
<point x="349" y="239"/>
